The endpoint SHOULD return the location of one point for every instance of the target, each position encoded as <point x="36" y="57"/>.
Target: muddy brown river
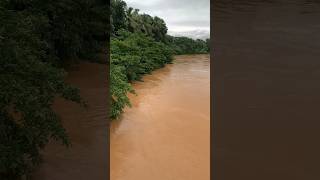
<point x="267" y="89"/>
<point x="165" y="135"/>
<point x="87" y="129"/>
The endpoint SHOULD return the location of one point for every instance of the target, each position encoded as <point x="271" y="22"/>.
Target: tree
<point x="36" y="39"/>
<point x="118" y="15"/>
<point x="132" y="56"/>
<point x="160" y="28"/>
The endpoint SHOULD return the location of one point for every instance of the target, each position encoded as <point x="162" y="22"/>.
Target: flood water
<point x="87" y="158"/>
<point x="165" y="135"/>
<point x="267" y="89"/>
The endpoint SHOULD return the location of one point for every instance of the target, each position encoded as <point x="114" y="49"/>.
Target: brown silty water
<point x="87" y="128"/>
<point x="266" y="89"/>
<point x="165" y="135"/>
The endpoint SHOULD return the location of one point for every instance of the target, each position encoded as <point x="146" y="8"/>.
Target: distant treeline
<point x="36" y="38"/>
<point x="139" y="45"/>
<point x="123" y="17"/>
<point x="185" y="45"/>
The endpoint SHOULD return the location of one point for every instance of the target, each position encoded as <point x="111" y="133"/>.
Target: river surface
<point x="88" y="129"/>
<point x="267" y="89"/>
<point x="165" y="135"/>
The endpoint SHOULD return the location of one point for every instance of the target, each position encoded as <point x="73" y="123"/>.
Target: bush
<point x="132" y="56"/>
<point x="29" y="84"/>
<point x="36" y="38"/>
<point x="119" y="88"/>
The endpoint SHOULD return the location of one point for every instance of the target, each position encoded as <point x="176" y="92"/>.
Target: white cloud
<point x="185" y="17"/>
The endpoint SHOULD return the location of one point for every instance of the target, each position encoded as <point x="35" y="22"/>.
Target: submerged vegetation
<point x="36" y="38"/>
<point x="139" y="45"/>
<point x="132" y="55"/>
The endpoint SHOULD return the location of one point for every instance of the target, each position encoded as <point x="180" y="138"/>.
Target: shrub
<point x="132" y="56"/>
<point x="29" y="84"/>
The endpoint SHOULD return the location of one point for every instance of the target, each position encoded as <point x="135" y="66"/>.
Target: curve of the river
<point x="165" y="135"/>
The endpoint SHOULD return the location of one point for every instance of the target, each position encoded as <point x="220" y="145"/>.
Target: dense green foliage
<point x="133" y="55"/>
<point x="185" y="45"/>
<point x="69" y="28"/>
<point x="123" y="17"/>
<point x="139" y="45"/>
<point x="36" y="38"/>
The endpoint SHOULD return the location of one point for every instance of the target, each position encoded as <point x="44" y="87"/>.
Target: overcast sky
<point x="183" y="17"/>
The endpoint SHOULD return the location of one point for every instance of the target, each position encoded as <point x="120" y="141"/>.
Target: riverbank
<point x="166" y="132"/>
<point x="87" y="158"/>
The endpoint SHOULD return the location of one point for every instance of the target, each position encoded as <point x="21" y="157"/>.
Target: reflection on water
<point x="267" y="84"/>
<point x="165" y="135"/>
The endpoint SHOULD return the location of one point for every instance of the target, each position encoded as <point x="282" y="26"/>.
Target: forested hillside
<point x="36" y="39"/>
<point x="139" y="45"/>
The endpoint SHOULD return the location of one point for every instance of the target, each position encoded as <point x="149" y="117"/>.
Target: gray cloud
<point x="183" y="17"/>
